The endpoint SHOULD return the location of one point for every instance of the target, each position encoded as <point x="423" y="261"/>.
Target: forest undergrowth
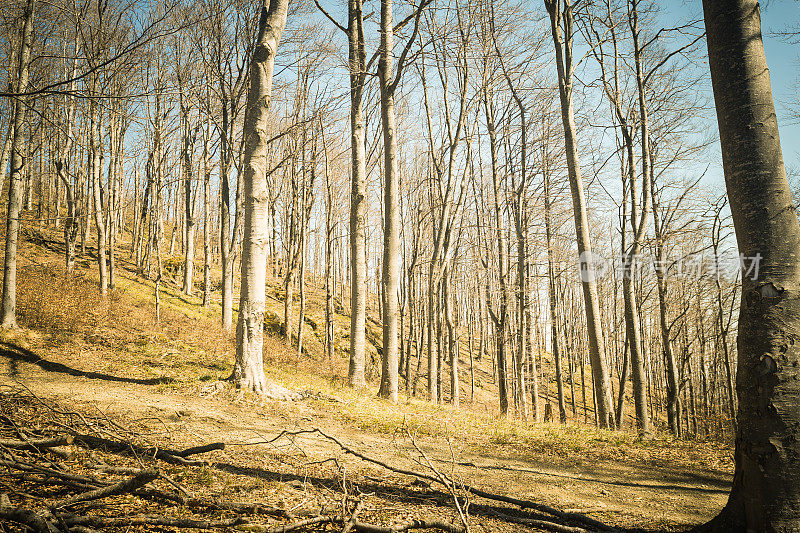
<point x="279" y="485"/>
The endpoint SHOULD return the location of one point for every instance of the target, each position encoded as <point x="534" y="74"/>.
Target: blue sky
<point x="783" y="59"/>
<point x="784" y="66"/>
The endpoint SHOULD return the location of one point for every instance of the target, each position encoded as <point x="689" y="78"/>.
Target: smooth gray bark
<point x="358" y="196"/>
<point x="765" y="495"/>
<point x="561" y="18"/>
<point x="8" y="308"/>
<point x="391" y="209"/>
<point x="248" y="370"/>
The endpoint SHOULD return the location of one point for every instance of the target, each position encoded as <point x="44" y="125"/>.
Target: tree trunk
<point x="70" y="222"/>
<point x="673" y="388"/>
<point x="227" y="241"/>
<point x="9" y="302"/>
<point x="188" y="209"/>
<point x="358" y="196"/>
<point x="433" y="361"/>
<point x="4" y="155"/>
<point x="631" y="310"/>
<point x="391" y="226"/>
<point x="305" y="201"/>
<point x="765" y="495"/>
<point x="562" y="22"/>
<point x="95" y="169"/>
<point x="206" y="219"/>
<point x="248" y="370"/>
<point x="329" y="234"/>
<point x="8" y="309"/>
<point x="452" y="348"/>
<point x="551" y="282"/>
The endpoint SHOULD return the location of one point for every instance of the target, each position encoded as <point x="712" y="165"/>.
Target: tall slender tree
<point x="8" y="309"/>
<point x="561" y="22"/>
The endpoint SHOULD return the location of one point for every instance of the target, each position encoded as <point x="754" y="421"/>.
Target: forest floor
<point x="164" y="385"/>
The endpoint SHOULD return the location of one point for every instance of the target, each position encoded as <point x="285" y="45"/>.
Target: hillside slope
<point x="165" y="383"/>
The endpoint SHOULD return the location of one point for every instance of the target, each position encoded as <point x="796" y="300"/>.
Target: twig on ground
<point x="445" y="480"/>
<point x="348" y="526"/>
<point x="525" y="504"/>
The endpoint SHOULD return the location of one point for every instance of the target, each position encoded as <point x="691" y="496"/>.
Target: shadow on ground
<point x="16" y="354"/>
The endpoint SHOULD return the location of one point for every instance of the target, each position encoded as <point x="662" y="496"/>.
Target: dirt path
<point x="622" y="494"/>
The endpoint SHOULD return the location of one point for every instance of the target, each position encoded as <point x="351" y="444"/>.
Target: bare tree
<point x="391" y="226"/>
<point x="8" y="310"/>
<point x="765" y="487"/>
<point x="561" y="18"/>
<point x="248" y="370"/>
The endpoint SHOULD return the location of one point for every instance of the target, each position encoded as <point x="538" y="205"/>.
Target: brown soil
<point x="95" y="372"/>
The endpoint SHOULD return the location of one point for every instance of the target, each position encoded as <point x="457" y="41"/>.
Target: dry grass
<point x="480" y="429"/>
<point x="188" y="348"/>
<point x="50" y="301"/>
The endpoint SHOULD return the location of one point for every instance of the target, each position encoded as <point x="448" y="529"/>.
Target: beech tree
<point x="462" y="234"/>
<point x="391" y="241"/>
<point x="765" y="495"/>
<point x="248" y="370"/>
<point x="357" y="66"/>
<point x="8" y="311"/>
<point x="561" y="21"/>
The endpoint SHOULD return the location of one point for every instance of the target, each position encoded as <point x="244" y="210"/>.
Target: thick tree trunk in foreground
<point x="561" y="25"/>
<point x="248" y="370"/>
<point x="766" y="487"/>
<point x="8" y="309"/>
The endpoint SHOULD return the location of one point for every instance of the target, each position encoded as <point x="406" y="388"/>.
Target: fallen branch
<point x="259" y="528"/>
<point x="168" y="456"/>
<point x="407" y="526"/>
<point x="25" y="517"/>
<point x="200" y="449"/>
<point x="71" y="479"/>
<point x="350" y="524"/>
<point x="150" y="520"/>
<point x="213" y="503"/>
<point x="361" y="527"/>
<point x="128" y="485"/>
<point x="444" y="480"/>
<point x="538" y="523"/>
<point x="37" y="444"/>
<point x="102" y="467"/>
<point x="525" y="504"/>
